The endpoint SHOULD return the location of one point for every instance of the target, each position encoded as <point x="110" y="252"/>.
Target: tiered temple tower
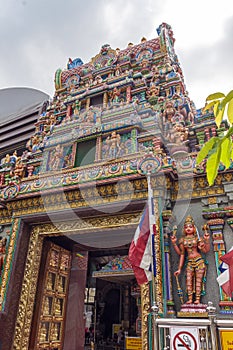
<point x="80" y="187"/>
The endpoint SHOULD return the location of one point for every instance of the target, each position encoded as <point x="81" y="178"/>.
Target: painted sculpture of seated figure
<point x="192" y="245"/>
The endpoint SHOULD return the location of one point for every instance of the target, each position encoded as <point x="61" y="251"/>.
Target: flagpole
<point x="155" y="308"/>
<point x="146" y="167"/>
<point x="151" y="223"/>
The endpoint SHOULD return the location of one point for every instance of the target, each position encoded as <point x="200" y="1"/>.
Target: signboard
<point x="115" y="328"/>
<point x="185" y="339"/>
<point x="133" y="343"/>
<point x="226" y="339"/>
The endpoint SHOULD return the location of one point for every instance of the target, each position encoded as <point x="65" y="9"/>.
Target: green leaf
<point x="218" y="112"/>
<point x="212" y="166"/>
<point x="226" y="152"/>
<point x="209" y="105"/>
<point x="232" y="154"/>
<point x="208" y="146"/>
<point x="230" y="111"/>
<point x="216" y="107"/>
<point x="215" y="96"/>
<point x="228" y="98"/>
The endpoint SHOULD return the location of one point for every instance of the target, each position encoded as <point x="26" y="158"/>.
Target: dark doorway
<point x="111" y="311"/>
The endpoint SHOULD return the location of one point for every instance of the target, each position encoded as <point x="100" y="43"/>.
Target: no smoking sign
<point x="187" y="339"/>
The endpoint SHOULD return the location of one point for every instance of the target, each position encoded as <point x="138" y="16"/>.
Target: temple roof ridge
<point x="76" y="66"/>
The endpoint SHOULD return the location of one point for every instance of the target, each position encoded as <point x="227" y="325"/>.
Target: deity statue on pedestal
<point x="192" y="245"/>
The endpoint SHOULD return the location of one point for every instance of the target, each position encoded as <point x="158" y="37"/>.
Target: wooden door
<point x="50" y="308"/>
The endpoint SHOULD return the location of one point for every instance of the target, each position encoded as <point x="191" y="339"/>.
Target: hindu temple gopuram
<point x="119" y="129"/>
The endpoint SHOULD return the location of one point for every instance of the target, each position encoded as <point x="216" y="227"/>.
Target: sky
<point x="38" y="36"/>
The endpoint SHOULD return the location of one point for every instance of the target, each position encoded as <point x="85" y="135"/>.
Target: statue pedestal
<point x="193" y="310"/>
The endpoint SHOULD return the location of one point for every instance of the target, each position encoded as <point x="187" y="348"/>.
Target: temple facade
<point x="117" y="128"/>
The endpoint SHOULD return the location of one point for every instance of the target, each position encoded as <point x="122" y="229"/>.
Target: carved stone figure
<point x="56" y="157"/>
<point x="191" y="244"/>
<point x="169" y="111"/>
<point x="153" y="91"/>
<point x="176" y="133"/>
<point x="19" y="168"/>
<point x="113" y="144"/>
<point x="115" y="95"/>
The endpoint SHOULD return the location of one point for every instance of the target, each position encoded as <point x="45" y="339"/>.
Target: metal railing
<point x="206" y="330"/>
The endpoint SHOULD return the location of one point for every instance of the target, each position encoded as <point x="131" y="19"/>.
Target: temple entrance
<point x="108" y="281"/>
<point x="111" y="312"/>
<point x="115" y="305"/>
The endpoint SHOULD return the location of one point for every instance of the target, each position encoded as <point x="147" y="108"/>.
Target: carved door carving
<point x="48" y="332"/>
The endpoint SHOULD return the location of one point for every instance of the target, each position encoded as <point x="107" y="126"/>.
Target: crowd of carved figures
<point x="150" y="87"/>
<point x="174" y="116"/>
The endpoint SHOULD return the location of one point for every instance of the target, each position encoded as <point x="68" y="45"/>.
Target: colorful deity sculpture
<point x="192" y="245"/>
<point x="113" y="144"/>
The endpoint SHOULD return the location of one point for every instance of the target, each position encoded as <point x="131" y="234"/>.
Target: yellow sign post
<point x="226" y="339"/>
<point x="133" y="343"/>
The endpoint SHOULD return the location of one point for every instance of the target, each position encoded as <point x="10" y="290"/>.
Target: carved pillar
<point x="105" y="100"/>
<point x="28" y="291"/>
<point x="136" y="293"/>
<point x="207" y="133"/>
<point x="128" y="94"/>
<point x="98" y="151"/>
<point x="88" y="103"/>
<point x="145" y="310"/>
<point x="126" y="306"/>
<point x="214" y="132"/>
<point x="68" y="112"/>
<point x="134" y="140"/>
<point x="167" y="214"/>
<point x="158" y="259"/>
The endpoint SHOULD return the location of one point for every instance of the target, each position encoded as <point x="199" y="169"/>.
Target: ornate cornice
<point x="93" y="196"/>
<point x="197" y="187"/>
<point x="113" y="193"/>
<point x="103" y="222"/>
<point x="5" y="216"/>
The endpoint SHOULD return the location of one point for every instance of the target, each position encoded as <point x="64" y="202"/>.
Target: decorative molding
<point x="28" y="292"/>
<point x="104" y="194"/>
<point x="5" y="216"/>
<point x="158" y="262"/>
<point x="145" y="310"/>
<point x="8" y="262"/>
<point x="91" y="223"/>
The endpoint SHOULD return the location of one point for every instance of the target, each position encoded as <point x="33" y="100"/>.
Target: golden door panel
<point x="49" y="318"/>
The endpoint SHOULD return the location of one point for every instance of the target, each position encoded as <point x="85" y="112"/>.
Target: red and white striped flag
<point x="140" y="250"/>
<point x="225" y="279"/>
